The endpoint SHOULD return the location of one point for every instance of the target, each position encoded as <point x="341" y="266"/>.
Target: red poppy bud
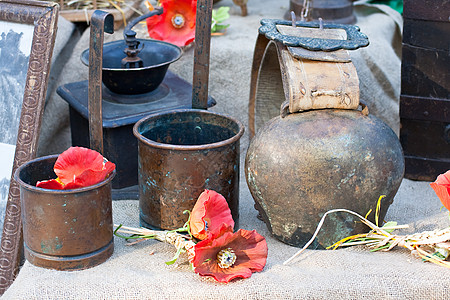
<point x="442" y="188"/>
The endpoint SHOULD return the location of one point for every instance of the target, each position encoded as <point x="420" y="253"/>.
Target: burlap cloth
<point x="139" y="272"/>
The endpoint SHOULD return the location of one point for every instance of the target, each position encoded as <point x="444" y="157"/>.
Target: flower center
<point x="226" y="258"/>
<point x="178" y="21"/>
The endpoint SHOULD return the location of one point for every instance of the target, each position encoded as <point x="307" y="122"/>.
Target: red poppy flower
<point x="209" y="213"/>
<point x="52" y="184"/>
<point x="225" y="255"/>
<point x="442" y="188"/>
<point x="176" y="24"/>
<point x="78" y="167"/>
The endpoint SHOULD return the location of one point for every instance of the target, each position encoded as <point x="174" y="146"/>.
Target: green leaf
<point x="221" y="27"/>
<point x="174" y="259"/>
<point x="380" y="248"/>
<point x="218" y="16"/>
<point x="389" y="224"/>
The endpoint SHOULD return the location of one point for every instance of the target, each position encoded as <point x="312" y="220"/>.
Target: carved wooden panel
<point x="43" y="16"/>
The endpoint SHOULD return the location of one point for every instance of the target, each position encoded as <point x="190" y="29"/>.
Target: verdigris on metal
<point x="300" y="166"/>
<point x="64" y="229"/>
<point x="355" y="38"/>
<point x="182" y="153"/>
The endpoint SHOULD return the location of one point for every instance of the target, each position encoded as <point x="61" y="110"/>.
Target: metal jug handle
<point x="101" y="22"/>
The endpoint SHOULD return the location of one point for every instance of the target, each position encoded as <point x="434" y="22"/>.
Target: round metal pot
<point x="332" y="11"/>
<point x="299" y="167"/>
<point x="182" y="153"/>
<point x="64" y="229"/>
<point x="156" y="56"/>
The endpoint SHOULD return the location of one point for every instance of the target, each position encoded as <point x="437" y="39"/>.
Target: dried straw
<point x="433" y="246"/>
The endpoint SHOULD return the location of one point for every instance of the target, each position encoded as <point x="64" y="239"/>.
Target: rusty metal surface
<point x="43" y="16"/>
<point x="201" y="54"/>
<point x="101" y="22"/>
<point x="299" y="167"/>
<point x="181" y="153"/>
<point x="64" y="229"/>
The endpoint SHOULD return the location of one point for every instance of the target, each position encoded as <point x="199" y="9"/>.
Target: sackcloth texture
<point x="139" y="271"/>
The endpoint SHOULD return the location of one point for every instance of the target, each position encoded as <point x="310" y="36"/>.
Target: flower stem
<point x="180" y="241"/>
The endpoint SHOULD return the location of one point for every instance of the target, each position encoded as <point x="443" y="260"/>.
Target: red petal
<point x="91" y="177"/>
<point x="72" y="186"/>
<point x="76" y="160"/>
<point x="442" y="188"/>
<point x="51" y="184"/>
<point x="249" y="246"/>
<point x="444" y="179"/>
<point x="212" y="208"/>
<point x="161" y="27"/>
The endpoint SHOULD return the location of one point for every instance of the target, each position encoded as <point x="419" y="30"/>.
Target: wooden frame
<point x="43" y="17"/>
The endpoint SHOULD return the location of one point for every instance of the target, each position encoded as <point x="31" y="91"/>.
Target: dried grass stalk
<point x="433" y="246"/>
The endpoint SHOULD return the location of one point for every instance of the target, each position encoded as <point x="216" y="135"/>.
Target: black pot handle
<point x="128" y="33"/>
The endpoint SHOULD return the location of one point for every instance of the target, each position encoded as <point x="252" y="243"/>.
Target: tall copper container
<point x="64" y="229"/>
<point x="182" y="153"/>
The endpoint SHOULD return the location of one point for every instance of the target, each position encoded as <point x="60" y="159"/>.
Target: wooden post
<point x="201" y="54"/>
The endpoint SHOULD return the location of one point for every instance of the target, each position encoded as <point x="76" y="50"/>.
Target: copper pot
<point x="64" y="229"/>
<point x="299" y="167"/>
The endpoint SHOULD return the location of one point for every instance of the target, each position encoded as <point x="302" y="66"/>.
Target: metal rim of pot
<point x="71" y="191"/>
<point x="155" y="144"/>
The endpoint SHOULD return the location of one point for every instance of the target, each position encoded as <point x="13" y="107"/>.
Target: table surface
<point x="139" y="271"/>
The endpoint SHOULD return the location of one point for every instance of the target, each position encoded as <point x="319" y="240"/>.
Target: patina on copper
<point x="299" y="167"/>
<point x="64" y="229"/>
<point x="320" y="157"/>
<point x="182" y="153"/>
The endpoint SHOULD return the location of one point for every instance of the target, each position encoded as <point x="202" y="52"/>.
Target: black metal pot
<point x="156" y="56"/>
